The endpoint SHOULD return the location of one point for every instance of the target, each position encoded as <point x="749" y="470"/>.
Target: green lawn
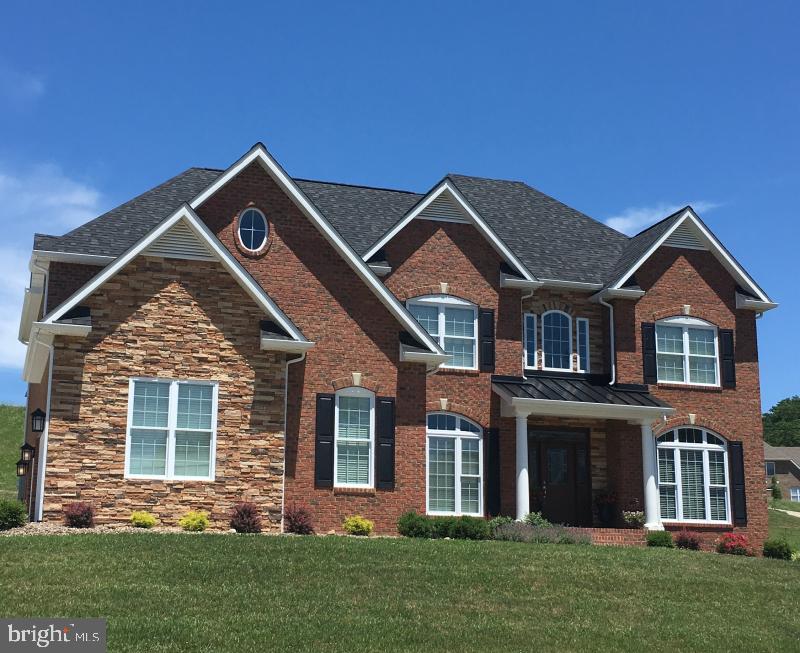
<point x="234" y="593"/>
<point x="11" y="422"/>
<point x="785" y="505"/>
<point x="786" y="526"/>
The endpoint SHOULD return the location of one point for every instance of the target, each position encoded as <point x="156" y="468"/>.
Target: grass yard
<point x="786" y="526"/>
<point x="11" y="424"/>
<point x="785" y="504"/>
<point x="235" y="593"/>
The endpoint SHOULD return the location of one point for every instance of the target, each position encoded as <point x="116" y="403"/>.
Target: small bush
<point x="777" y="548"/>
<point x="660" y="538"/>
<point x="357" y="525"/>
<point x="412" y="524"/>
<point x="442" y="527"/>
<point x="734" y="544"/>
<point x="142" y="519"/>
<point x="775" y="488"/>
<point x="12" y="514"/>
<point x="500" y="520"/>
<point x="245" y="518"/>
<point x="536" y="519"/>
<point x="297" y="520"/>
<point x="633" y="518"/>
<point x="79" y="515"/>
<point x="470" y="528"/>
<point x="687" y="540"/>
<point x="522" y="532"/>
<point x="194" y="521"/>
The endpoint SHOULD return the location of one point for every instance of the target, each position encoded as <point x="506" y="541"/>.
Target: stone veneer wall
<point x="174" y="319"/>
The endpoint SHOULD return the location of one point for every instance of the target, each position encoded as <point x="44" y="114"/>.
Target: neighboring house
<point x="479" y="349"/>
<point x="784" y="464"/>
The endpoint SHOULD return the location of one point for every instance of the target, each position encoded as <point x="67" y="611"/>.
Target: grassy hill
<point x="12" y="419"/>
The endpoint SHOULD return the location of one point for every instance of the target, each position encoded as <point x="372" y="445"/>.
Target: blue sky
<point x="621" y="110"/>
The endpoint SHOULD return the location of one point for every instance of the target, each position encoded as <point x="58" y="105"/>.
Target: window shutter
<point x="384" y="438"/>
<point x="649" y="371"/>
<point x="727" y="358"/>
<point x="738" y="498"/>
<point x="486" y="339"/>
<point x="493" y="472"/>
<point x="323" y="454"/>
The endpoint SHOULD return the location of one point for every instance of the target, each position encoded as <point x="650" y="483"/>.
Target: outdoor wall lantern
<point x="26" y="451"/>
<point x="37" y="420"/>
<point x="22" y="467"/>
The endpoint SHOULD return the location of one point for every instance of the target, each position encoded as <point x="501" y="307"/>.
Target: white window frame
<point x="794" y="494"/>
<point x="172" y="421"/>
<point x="441" y="302"/>
<point x="687" y="323"/>
<point x="571" y="348"/>
<point x="525" y="334"/>
<point x="769" y="465"/>
<point x="675" y="447"/>
<point x="458" y="435"/>
<point x="354" y="391"/>
<point x="239" y="228"/>
<point x="583" y="366"/>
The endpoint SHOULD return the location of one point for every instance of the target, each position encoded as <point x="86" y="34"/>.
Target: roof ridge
<point x="338" y="183"/>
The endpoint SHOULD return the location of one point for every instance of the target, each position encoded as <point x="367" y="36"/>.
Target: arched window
<point x="354" y="429"/>
<point x="455" y="465"/>
<point x="693" y="476"/>
<point x="453" y="323"/>
<point x="253" y="229"/>
<point x="686" y="351"/>
<point x="557" y="340"/>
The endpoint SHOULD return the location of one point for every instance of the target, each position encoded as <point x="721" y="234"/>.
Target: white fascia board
<point x="259" y="154"/>
<point x="62" y="329"/>
<point x="281" y="344"/>
<point x="714" y="246"/>
<point x="187" y="215"/>
<point x="432" y="360"/>
<point x="72" y="257"/>
<point x="750" y="304"/>
<point x="480" y="224"/>
<point x="509" y="281"/>
<point x="617" y="293"/>
<point x="36" y="356"/>
<point x="570" y="285"/>
<point x="30" y="311"/>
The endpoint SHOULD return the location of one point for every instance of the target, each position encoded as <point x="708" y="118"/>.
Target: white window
<point x="794" y="494"/>
<point x="557" y="341"/>
<point x="453" y="323"/>
<point x="529" y="340"/>
<point x="172" y="429"/>
<point x="583" y="344"/>
<point x="686" y="351"/>
<point x="770" y="469"/>
<point x="253" y="229"/>
<point x="355" y="435"/>
<point x="693" y="476"/>
<point x="455" y="465"/>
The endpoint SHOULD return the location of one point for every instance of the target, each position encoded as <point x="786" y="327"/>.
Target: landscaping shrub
<point x="245" y="518"/>
<point x="536" y="519"/>
<point x="775" y="488"/>
<point x="660" y="538"/>
<point x="522" y="532"/>
<point x="12" y="514"/>
<point x="297" y="520"/>
<point x="194" y="521"/>
<point x="687" y="540"/>
<point x="470" y="528"/>
<point x="79" y="515"/>
<point x="734" y="544"/>
<point x="495" y="522"/>
<point x="777" y="548"/>
<point x="633" y="518"/>
<point x="412" y="524"/>
<point x="357" y="525"/>
<point x="442" y="527"/>
<point x="142" y="519"/>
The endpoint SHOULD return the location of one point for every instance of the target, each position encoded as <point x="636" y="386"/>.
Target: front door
<point x="560" y="481"/>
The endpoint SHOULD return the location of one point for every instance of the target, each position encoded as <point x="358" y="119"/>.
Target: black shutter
<point x="486" y="334"/>
<point x="384" y="439"/>
<point x="738" y="498"/>
<point x="493" y="472"/>
<point x="323" y="455"/>
<point x="649" y="352"/>
<point x="727" y="358"/>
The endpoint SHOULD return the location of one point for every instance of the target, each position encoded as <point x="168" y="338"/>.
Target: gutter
<point x="43" y="440"/>
<point x="291" y="361"/>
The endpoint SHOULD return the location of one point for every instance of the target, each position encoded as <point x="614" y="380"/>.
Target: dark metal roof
<point x="585" y="389"/>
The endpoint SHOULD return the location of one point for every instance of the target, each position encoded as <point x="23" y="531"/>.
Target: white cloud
<point x="18" y="87"/>
<point x="633" y="219"/>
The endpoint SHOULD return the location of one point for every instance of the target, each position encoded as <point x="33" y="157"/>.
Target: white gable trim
<point x="260" y="154"/>
<point x="186" y="215"/>
<point x="710" y="241"/>
<point x="472" y="215"/>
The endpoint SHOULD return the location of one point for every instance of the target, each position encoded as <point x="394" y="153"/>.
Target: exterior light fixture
<point x="22" y="467"/>
<point x="26" y="451"/>
<point x="37" y="420"/>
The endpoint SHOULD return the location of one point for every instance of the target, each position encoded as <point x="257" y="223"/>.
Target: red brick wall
<point x="674" y="277"/>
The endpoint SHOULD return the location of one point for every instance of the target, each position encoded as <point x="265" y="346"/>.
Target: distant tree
<point x="775" y="487"/>
<point x="782" y="423"/>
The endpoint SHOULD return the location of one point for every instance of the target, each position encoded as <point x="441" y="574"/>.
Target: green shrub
<point x="442" y="527"/>
<point x="500" y="520"/>
<point x="775" y="488"/>
<point x="357" y="525"/>
<point x="194" y="521"/>
<point x="521" y="532"/>
<point x="12" y="514"/>
<point x="633" y="518"/>
<point x="470" y="528"/>
<point x="536" y="519"/>
<point x="142" y="519"/>
<point x="412" y="524"/>
<point x="777" y="548"/>
<point x="660" y="538"/>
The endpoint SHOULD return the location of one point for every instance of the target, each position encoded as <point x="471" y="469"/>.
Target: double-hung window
<point x="770" y="468"/>
<point x="686" y="351"/>
<point x="693" y="476"/>
<point x="455" y="476"/>
<point x="529" y="340"/>
<point x="794" y="494"/>
<point x="172" y="429"/>
<point x="557" y="341"/>
<point x="453" y="323"/>
<point x="355" y="437"/>
<point x="583" y="344"/>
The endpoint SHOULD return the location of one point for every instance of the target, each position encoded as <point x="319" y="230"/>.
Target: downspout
<point x="43" y="439"/>
<point x="611" y="338"/>
<point x="302" y="357"/>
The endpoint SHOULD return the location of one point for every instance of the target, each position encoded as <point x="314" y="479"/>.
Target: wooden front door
<point x="559" y="476"/>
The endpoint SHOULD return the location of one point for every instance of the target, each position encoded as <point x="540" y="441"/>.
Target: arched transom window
<point x="455" y="465"/>
<point x="693" y="476"/>
<point x="557" y="340"/>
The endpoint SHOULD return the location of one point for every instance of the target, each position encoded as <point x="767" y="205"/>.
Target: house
<point x="479" y="349"/>
<point x="783" y="463"/>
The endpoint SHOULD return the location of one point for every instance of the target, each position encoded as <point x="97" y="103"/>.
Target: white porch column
<point x="523" y="485"/>
<point x="652" y="507"/>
